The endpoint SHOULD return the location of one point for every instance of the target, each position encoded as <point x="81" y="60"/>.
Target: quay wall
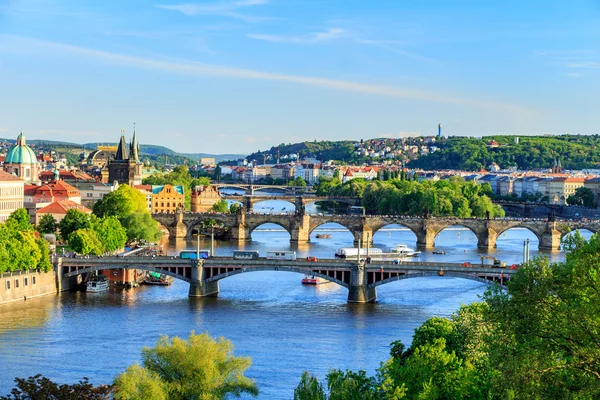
<point x="22" y="285"/>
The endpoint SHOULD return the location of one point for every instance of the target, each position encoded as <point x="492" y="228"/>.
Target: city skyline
<point x="237" y="76"/>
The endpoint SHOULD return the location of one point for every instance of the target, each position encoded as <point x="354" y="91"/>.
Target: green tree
<point x="235" y="208"/>
<point x="47" y="224"/>
<point x="222" y="206"/>
<point x="84" y="241"/>
<point x="546" y="327"/>
<point x="140" y="225"/>
<point x="298" y="181"/>
<point x="128" y="205"/>
<point x="121" y="203"/>
<point x="18" y="220"/>
<point x="42" y="388"/>
<point x="139" y="383"/>
<point x="583" y="197"/>
<point x="197" y="368"/>
<point x="73" y="221"/>
<point x="110" y="232"/>
<point x="309" y="388"/>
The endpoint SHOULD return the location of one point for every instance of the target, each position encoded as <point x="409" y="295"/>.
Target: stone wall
<point x="21" y="285"/>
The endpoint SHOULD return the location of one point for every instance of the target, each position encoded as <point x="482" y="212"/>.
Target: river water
<point x="285" y="327"/>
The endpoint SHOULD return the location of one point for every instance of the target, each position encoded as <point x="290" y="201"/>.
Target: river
<point x="285" y="327"/>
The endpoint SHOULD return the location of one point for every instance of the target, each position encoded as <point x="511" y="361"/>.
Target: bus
<point x="245" y="255"/>
<point x="281" y="255"/>
<point x="191" y="254"/>
<point x="356" y="210"/>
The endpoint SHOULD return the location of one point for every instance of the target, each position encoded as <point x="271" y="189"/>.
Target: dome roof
<point x="20" y="153"/>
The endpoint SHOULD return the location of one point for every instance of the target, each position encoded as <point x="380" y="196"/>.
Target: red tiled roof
<point x="61" y="207"/>
<point x="5" y="176"/>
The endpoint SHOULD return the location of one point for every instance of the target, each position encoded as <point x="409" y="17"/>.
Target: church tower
<point x="126" y="168"/>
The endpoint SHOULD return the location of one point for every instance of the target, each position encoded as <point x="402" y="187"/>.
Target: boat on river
<point x="313" y="280"/>
<point x="154" y="278"/>
<point x="323" y="236"/>
<point x="438" y="252"/>
<point x="402" y="250"/>
<point x="97" y="284"/>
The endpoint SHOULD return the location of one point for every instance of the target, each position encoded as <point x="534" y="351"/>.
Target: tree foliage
<point x="222" y="206"/>
<point x="74" y="220"/>
<point x="47" y="224"/>
<point x="583" y="197"/>
<point x="197" y="368"/>
<point x="128" y="205"/>
<point x="20" y="250"/>
<point x="39" y="387"/>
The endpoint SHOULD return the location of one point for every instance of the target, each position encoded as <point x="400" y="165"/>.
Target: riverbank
<point x="23" y="285"/>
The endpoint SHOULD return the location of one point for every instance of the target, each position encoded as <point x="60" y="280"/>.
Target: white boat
<point x="97" y="284"/>
<point x="313" y="280"/>
<point x="403" y="250"/>
<point x="348" y="252"/>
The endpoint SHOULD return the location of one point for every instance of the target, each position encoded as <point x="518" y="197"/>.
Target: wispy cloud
<point x="585" y="64"/>
<point x="316" y="37"/>
<point x="35" y="46"/>
<point x="223" y="9"/>
<point x="333" y="34"/>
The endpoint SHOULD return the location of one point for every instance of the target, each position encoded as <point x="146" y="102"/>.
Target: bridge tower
<point x="550" y="238"/>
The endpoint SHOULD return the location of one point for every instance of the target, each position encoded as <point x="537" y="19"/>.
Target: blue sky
<point x="243" y="75"/>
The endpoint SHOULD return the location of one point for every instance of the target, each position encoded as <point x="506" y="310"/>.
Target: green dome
<point x="20" y="153"/>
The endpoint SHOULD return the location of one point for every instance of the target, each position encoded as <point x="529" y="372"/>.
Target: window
<point x="33" y="280"/>
<point x="7" y="285"/>
<point x="25" y="282"/>
<point x="16" y="283"/>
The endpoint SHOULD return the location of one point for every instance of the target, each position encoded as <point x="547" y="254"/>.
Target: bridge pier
<point x="199" y="288"/>
<point x="550" y="239"/>
<point x="301" y="230"/>
<point x="239" y="231"/>
<point x="426" y="237"/>
<point x="358" y="292"/>
<point x="361" y="234"/>
<point x="487" y="239"/>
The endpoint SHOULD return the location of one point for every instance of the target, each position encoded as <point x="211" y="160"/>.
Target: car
<point x="313" y="259"/>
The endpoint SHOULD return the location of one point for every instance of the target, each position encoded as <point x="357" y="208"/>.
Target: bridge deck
<point x="330" y="264"/>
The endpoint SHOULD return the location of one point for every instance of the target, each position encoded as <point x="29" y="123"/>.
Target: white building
<point x="11" y="194"/>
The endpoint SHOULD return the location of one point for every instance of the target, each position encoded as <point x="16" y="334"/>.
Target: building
<point x="92" y="192"/>
<point x="38" y="197"/>
<point x="11" y="194"/>
<point x="58" y="210"/>
<point x="207" y="161"/>
<point x="126" y="167"/>
<point x="594" y="185"/>
<point x="146" y="190"/>
<point x="204" y="197"/>
<point x="167" y="198"/>
<point x="559" y="189"/>
<point x="22" y="161"/>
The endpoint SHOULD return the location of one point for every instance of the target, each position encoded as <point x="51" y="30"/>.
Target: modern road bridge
<point x="359" y="278"/>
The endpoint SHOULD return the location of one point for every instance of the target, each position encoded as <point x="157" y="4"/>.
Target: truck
<point x="496" y="263"/>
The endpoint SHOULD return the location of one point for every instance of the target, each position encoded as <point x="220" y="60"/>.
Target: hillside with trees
<point x="531" y="152"/>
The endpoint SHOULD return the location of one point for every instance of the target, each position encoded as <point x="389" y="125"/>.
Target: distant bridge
<point x="300" y="225"/>
<point x="360" y="279"/>
<point x="251" y="188"/>
<point x="299" y="201"/>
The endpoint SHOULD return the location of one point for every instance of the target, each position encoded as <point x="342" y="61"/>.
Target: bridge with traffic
<point x="360" y="278"/>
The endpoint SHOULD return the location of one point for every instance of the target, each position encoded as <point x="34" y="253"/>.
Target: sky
<point x="237" y="76"/>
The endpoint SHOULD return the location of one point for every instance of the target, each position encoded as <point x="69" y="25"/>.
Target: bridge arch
<point x="432" y="273"/>
<point x="344" y="233"/>
<point x="454" y="235"/>
<point x="399" y="237"/>
<point x="196" y="225"/>
<point x="252" y="229"/>
<point x="537" y="234"/>
<point x="585" y="232"/>
<point x="95" y="268"/>
<point x="278" y="268"/>
<point x="277" y="207"/>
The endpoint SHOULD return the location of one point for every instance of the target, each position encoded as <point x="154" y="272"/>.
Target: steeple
<point x="122" y="149"/>
<point x="134" y="148"/>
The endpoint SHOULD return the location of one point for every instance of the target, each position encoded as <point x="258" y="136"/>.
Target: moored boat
<point x="438" y="252"/>
<point x="154" y="278"/>
<point x="323" y="236"/>
<point x="403" y="250"/>
<point x="97" y="284"/>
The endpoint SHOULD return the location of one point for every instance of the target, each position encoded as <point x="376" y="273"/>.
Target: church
<point x="126" y="167"/>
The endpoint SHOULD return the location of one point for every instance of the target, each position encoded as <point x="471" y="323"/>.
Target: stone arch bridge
<point x="360" y="279"/>
<point x="300" y="226"/>
<point x="300" y="202"/>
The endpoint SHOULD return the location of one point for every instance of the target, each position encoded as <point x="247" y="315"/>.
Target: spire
<point x="134" y="148"/>
<point x="122" y="149"/>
